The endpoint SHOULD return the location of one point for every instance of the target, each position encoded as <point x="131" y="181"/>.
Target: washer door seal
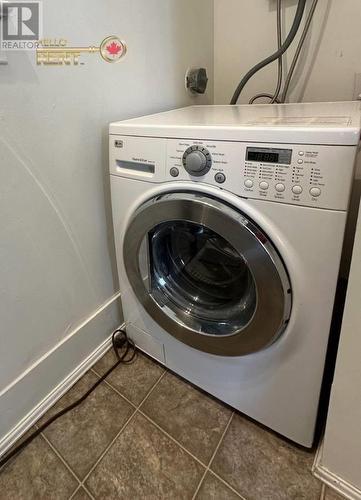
<point x="207" y="274"/>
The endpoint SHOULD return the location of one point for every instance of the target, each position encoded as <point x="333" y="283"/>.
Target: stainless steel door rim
<point x="273" y="289"/>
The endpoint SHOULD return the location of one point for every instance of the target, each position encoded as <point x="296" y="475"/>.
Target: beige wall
<point x="245" y="33"/>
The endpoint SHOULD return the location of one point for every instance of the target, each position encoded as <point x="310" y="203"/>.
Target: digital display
<point x="269" y="155"/>
<point x="263" y="157"/>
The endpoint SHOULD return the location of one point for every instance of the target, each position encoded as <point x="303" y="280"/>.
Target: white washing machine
<point x="229" y="223"/>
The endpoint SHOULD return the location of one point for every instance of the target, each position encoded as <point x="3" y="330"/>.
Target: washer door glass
<point x="206" y="274"/>
<point x="195" y="270"/>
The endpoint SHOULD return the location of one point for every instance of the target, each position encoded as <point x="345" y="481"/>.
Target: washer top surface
<point x="334" y="123"/>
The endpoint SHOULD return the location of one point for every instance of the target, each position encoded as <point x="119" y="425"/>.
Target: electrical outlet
<point x="357" y="87"/>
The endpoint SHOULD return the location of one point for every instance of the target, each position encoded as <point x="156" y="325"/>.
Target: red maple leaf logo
<point x="113" y="48"/>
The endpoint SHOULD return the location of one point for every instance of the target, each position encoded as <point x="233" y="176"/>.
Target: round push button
<point x="315" y="192"/>
<point x="280" y="188"/>
<point x="264" y="185"/>
<point x="300" y="161"/>
<point x="174" y="172"/>
<point x="301" y="153"/>
<point x="248" y="183"/>
<point x="220" y="178"/>
<point x="297" y="189"/>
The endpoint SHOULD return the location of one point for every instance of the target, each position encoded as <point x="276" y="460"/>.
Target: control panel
<point x="306" y="175"/>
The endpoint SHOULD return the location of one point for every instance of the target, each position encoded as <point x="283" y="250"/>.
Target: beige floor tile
<point x="213" y="489"/>
<point x="145" y="463"/>
<point x="81" y="435"/>
<point x="191" y="417"/>
<point x="36" y="474"/>
<point x="260" y="465"/>
<point x="134" y="381"/>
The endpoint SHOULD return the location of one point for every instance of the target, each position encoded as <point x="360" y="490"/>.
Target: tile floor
<point x="147" y="434"/>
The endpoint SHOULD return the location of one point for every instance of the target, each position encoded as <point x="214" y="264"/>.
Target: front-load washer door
<point x="207" y="274"/>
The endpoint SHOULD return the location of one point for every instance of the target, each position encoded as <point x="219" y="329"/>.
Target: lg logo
<point x="20" y="21"/>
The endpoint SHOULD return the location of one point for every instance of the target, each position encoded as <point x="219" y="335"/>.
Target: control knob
<point x="197" y="161"/>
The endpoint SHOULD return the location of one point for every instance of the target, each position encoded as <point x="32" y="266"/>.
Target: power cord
<point x="125" y="351"/>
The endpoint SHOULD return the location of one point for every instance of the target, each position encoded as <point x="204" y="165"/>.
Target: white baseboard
<point x="94" y="336"/>
<point x="335" y="482"/>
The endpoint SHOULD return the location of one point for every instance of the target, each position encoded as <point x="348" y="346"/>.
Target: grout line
<point x="227" y="484"/>
<point x="105" y="451"/>
<point x="123" y="396"/>
<point x="79" y="488"/>
<point x="152" y="389"/>
<point x="88" y="492"/>
<point x="200" y="484"/>
<point x="51" y="446"/>
<point x="75" y="492"/>
<point x="171" y="437"/>
<point x="121" y="430"/>
<point x="213" y="455"/>
<point x="221" y="439"/>
<point x="94" y="370"/>
<point x="120" y="394"/>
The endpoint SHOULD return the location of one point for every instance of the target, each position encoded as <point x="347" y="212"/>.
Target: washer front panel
<point x="209" y="319"/>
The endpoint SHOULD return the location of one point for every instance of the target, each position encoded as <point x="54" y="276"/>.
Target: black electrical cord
<point x="290" y="37"/>
<point x="120" y="342"/>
